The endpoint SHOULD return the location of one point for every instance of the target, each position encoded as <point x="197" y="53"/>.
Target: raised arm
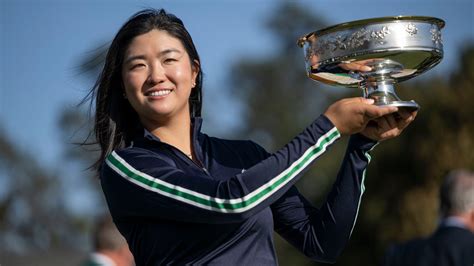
<point x="322" y="234"/>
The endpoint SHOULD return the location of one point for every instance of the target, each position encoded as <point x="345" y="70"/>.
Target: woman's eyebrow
<point x="134" y="57"/>
<point x="167" y="51"/>
<point x="162" y="53"/>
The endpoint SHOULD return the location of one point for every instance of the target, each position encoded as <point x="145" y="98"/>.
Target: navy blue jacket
<point x="448" y="246"/>
<point x="223" y="210"/>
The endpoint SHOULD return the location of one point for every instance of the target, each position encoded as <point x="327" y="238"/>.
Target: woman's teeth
<point x="160" y="93"/>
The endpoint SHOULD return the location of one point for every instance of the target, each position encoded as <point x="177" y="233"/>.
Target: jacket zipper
<point x="200" y="165"/>
<point x="193" y="142"/>
<point x="181" y="154"/>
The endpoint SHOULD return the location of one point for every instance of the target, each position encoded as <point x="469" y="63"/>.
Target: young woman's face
<point x="158" y="77"/>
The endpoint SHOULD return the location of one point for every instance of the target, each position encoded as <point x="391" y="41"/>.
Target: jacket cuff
<point x="359" y="141"/>
<point x="325" y="124"/>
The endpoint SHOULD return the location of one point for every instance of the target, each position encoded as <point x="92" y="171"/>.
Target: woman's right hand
<point x="352" y="115"/>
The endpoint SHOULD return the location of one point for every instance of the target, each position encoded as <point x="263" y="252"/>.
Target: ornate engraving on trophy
<point x="436" y="35"/>
<point x="380" y="35"/>
<point x="351" y="41"/>
<point x="411" y="29"/>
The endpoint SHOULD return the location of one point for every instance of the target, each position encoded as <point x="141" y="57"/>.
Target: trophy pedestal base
<point x="408" y="105"/>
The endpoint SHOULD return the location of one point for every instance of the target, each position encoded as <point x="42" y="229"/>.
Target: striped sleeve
<point x="322" y="234"/>
<point x="162" y="190"/>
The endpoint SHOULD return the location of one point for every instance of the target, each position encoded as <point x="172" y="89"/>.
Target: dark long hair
<point x="115" y="120"/>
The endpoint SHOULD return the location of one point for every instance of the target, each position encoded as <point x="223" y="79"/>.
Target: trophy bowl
<point x="374" y="54"/>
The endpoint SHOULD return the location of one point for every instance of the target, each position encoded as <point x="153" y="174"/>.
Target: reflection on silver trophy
<point x="374" y="54"/>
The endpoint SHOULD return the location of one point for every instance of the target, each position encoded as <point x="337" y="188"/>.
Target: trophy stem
<point x="383" y="93"/>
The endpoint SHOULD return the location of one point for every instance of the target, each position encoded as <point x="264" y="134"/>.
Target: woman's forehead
<point x="155" y="41"/>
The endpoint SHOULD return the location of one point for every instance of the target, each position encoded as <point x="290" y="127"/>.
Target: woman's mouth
<point x="159" y="93"/>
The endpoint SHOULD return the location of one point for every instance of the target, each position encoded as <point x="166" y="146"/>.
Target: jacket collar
<point x="196" y="124"/>
<point x="145" y="137"/>
<point x="453" y="221"/>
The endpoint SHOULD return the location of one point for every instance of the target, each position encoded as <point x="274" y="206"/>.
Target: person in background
<point x="452" y="244"/>
<point x="110" y="248"/>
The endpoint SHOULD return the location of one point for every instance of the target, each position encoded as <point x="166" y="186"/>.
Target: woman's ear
<point x="195" y="67"/>
<point x="124" y="94"/>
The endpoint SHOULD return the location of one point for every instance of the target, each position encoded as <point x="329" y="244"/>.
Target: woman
<point x="182" y="197"/>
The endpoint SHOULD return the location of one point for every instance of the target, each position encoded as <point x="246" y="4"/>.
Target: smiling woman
<point x="158" y="78"/>
<point x="129" y="62"/>
<point x="182" y="197"/>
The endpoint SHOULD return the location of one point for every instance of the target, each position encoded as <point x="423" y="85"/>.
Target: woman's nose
<point x="156" y="74"/>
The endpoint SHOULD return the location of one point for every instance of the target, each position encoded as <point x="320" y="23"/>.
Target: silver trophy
<point x="374" y="54"/>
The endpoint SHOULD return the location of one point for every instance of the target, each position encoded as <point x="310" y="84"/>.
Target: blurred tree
<point x="277" y="86"/>
<point x="400" y="200"/>
<point x="32" y="210"/>
<point x="38" y="204"/>
<point x="80" y="153"/>
<point x="45" y="208"/>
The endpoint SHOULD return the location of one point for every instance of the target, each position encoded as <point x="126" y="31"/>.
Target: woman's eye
<point x="135" y="66"/>
<point x="170" y="60"/>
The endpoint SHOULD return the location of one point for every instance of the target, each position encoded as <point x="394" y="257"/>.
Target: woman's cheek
<point x="133" y="81"/>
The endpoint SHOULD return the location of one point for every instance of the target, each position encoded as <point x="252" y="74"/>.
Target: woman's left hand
<point x="389" y="126"/>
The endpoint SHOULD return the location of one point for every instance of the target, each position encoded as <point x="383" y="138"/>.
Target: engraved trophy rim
<point x="364" y="22"/>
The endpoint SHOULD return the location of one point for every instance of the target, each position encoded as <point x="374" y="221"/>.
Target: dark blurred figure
<point x="110" y="248"/>
<point x="452" y="244"/>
